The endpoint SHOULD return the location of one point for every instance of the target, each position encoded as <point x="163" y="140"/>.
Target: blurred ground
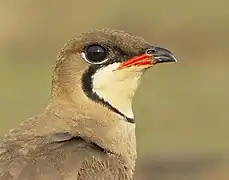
<point x="182" y="109"/>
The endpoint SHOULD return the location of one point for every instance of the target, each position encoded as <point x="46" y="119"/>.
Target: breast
<point x="105" y="167"/>
<point x="69" y="160"/>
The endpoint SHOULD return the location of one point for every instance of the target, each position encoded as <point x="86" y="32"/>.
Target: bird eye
<point x="95" y="54"/>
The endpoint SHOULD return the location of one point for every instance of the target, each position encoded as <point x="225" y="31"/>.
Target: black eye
<point x="95" y="53"/>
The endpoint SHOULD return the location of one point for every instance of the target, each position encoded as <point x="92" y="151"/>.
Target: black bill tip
<point x="161" y="55"/>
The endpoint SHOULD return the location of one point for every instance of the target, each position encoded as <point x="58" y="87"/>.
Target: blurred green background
<point x="182" y="109"/>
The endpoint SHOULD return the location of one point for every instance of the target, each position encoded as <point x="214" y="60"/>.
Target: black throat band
<point x="87" y="87"/>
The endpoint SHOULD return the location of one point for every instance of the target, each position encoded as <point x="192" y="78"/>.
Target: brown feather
<point x="75" y="137"/>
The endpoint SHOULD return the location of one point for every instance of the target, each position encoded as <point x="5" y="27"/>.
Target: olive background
<point x="182" y="109"/>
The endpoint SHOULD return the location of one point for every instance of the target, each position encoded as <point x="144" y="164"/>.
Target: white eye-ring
<point x="95" y="54"/>
<point x="92" y="62"/>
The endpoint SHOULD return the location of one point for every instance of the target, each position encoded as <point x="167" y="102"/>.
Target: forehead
<point x="112" y="38"/>
<point x="116" y="38"/>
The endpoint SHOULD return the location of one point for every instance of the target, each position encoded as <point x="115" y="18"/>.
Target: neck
<point x="112" y="134"/>
<point x="83" y="116"/>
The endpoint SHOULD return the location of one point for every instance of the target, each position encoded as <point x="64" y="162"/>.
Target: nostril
<point x="150" y="51"/>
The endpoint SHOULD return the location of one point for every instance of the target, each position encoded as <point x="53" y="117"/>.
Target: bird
<point x="87" y="130"/>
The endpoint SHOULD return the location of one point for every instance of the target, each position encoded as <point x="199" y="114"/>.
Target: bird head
<point x="105" y="67"/>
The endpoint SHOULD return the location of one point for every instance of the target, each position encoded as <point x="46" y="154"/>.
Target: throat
<point x="121" y="109"/>
<point x="113" y="89"/>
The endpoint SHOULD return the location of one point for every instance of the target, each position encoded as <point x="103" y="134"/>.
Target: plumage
<point x="87" y="131"/>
